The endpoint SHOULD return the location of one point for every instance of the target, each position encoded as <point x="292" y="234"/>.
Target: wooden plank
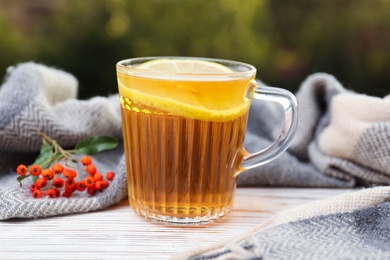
<point x="118" y="233"/>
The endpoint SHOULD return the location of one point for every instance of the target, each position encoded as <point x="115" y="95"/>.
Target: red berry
<point x="41" y="182"/>
<point x="51" y="193"/>
<point x="92" y="190"/>
<point x="58" y="182"/>
<point x="105" y="183"/>
<point x="70" y="174"/>
<point x="34" y="186"/>
<point x="70" y="183"/>
<point x="99" y="185"/>
<point x="70" y="189"/>
<point x="22" y="170"/>
<point x="98" y="176"/>
<point x="57" y="168"/>
<point x="37" y="194"/>
<point x="91" y="169"/>
<point x="110" y="175"/>
<point x="80" y="186"/>
<point x="86" y="160"/>
<point x="67" y="194"/>
<point x="89" y="181"/>
<point x="58" y="192"/>
<point x="35" y="170"/>
<point x="48" y="174"/>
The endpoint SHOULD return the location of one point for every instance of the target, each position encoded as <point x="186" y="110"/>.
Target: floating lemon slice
<point x="185" y="66"/>
<point x="205" y="98"/>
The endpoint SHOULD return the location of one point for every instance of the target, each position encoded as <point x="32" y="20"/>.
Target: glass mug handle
<point x="290" y="105"/>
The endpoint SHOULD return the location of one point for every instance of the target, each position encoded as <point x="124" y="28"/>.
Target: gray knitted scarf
<point x="343" y="140"/>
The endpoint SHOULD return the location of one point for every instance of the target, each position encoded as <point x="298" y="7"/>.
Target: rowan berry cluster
<point x="57" y="180"/>
<point x="55" y="172"/>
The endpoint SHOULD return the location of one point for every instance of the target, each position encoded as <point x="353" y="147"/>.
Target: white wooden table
<point x="118" y="233"/>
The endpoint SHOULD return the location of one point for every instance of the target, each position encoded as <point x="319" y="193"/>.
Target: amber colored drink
<point x="184" y="121"/>
<point x="181" y="142"/>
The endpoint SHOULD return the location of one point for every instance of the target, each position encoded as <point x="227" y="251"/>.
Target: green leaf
<point x="46" y="153"/>
<point x="96" y="144"/>
<point x="20" y="178"/>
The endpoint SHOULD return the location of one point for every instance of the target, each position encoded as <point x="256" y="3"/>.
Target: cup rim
<point x="124" y="66"/>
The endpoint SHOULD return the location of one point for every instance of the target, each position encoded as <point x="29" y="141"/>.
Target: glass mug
<point x="184" y="122"/>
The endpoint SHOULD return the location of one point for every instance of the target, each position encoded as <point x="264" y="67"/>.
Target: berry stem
<point x="67" y="154"/>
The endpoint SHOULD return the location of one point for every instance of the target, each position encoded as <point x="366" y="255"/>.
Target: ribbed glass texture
<point x="180" y="170"/>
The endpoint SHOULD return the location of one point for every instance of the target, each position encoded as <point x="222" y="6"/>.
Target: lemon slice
<point x="194" y="93"/>
<point x="185" y="66"/>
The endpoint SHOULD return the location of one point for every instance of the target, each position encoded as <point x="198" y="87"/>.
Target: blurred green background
<point x="285" y="40"/>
